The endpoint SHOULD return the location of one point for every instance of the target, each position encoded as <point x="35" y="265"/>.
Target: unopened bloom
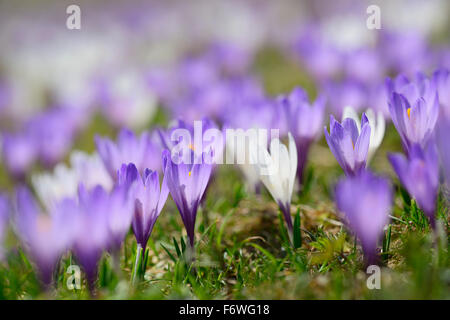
<point x="305" y="122"/>
<point x="414" y="108"/>
<point x="142" y="151"/>
<point x="348" y="146"/>
<point x="148" y="199"/>
<point x="365" y="200"/>
<point x="419" y="174"/>
<point x="377" y="127"/>
<point x="187" y="184"/>
<point x="46" y="236"/>
<point x="277" y="172"/>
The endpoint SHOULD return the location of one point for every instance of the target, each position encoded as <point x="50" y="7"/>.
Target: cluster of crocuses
<point x="415" y="107"/>
<point x="90" y="207"/>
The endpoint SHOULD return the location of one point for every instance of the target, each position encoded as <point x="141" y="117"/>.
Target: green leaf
<point x="177" y="248"/>
<point x="264" y="251"/>
<point x="168" y="253"/>
<point x="297" y="231"/>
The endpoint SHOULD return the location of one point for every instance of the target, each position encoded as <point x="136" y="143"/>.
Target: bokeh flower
<point x="419" y="174"/>
<point x="46" y="235"/>
<point x="365" y="201"/>
<point x="5" y="211"/>
<point x="63" y="182"/>
<point x="91" y="229"/>
<point x="143" y="151"/>
<point x="441" y="79"/>
<point x="305" y="122"/>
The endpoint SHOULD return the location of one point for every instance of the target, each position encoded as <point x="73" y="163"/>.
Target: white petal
<point x="349" y="112"/>
<point x="293" y="163"/>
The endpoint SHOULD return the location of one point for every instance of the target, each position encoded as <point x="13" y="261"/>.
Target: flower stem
<point x="137" y="263"/>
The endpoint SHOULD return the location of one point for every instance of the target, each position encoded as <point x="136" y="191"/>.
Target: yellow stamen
<point x="409" y="112"/>
<point x="191" y="146"/>
<point x="189" y="173"/>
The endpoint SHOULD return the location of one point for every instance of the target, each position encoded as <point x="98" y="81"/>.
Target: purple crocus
<point x="441" y="79"/>
<point x="304" y="122"/>
<point x="46" y="236"/>
<point x="142" y="151"/>
<point x="187" y="184"/>
<point x="92" y="229"/>
<point x="414" y="108"/>
<point x="442" y="134"/>
<point x="191" y="141"/>
<point x="148" y="199"/>
<point x="120" y="203"/>
<point x="365" y="200"/>
<point x="53" y="133"/>
<point x="5" y="208"/>
<point x="419" y="174"/>
<point x="19" y="153"/>
<point x="345" y="93"/>
<point x="348" y="146"/>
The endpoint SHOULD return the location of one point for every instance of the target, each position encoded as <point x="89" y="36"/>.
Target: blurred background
<point x="141" y="63"/>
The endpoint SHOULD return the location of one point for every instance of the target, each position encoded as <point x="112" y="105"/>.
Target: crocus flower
<point x="63" y="181"/>
<point x="126" y="99"/>
<point x="419" y="174"/>
<point x="19" y="153"/>
<point x="441" y="78"/>
<point x="187" y="184"/>
<point x="348" y="146"/>
<point x="404" y="51"/>
<point x="91" y="229"/>
<point x="304" y="122"/>
<point x="277" y="172"/>
<point x="414" y="108"/>
<point x="377" y="127"/>
<point x="442" y="134"/>
<point x="255" y="112"/>
<point x="148" y="199"/>
<point x="120" y="204"/>
<point x="196" y="139"/>
<point x="4" y="217"/>
<point x="142" y="151"/>
<point x="53" y="133"/>
<point x="365" y="200"/>
<point x="345" y="93"/>
<point x="46" y="236"/>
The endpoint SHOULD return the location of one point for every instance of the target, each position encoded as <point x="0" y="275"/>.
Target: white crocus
<point x="277" y="172"/>
<point x="248" y="169"/>
<point x="63" y="182"/>
<point x="377" y="127"/>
